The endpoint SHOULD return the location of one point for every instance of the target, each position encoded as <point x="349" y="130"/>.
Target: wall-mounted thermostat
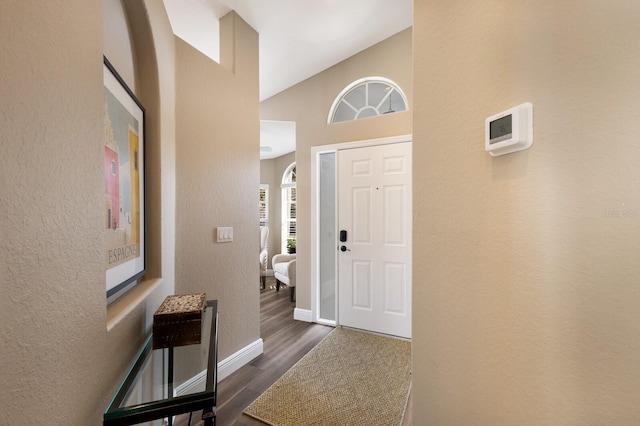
<point x="509" y="131"/>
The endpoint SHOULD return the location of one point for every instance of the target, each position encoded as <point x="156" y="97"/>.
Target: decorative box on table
<point x="178" y="321"/>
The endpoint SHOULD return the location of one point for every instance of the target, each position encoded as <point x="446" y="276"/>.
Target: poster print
<point x="124" y="220"/>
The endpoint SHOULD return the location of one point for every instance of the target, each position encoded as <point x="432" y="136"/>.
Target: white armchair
<point x="264" y="253"/>
<point x="284" y="270"/>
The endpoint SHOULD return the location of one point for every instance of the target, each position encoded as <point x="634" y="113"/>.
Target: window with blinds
<point x="264" y="204"/>
<point x="289" y="206"/>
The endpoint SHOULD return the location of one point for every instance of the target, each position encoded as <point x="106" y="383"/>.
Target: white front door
<point x="375" y="213"/>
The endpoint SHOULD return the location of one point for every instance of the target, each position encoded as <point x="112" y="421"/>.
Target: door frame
<point x="316" y="151"/>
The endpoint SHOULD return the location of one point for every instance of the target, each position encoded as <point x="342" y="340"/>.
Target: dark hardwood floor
<point x="286" y="341"/>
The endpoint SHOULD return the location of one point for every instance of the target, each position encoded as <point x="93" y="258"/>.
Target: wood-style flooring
<point x="286" y="341"/>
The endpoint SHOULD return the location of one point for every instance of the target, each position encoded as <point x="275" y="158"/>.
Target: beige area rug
<point x="349" y="378"/>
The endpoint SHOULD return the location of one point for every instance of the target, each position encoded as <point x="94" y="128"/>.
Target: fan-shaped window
<point x="367" y="97"/>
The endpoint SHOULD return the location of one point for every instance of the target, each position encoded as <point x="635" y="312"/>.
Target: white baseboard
<point x="302" y="315"/>
<point x="225" y="368"/>
<point x="245" y="355"/>
<point x="195" y="384"/>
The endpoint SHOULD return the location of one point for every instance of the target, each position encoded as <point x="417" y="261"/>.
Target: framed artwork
<point x="124" y="183"/>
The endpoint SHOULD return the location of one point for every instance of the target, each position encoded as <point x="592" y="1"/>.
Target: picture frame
<point x="124" y="176"/>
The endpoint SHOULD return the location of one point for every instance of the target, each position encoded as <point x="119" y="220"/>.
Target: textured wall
<point x="59" y="363"/>
<point x="308" y="105"/>
<point x="52" y="308"/>
<point x="218" y="171"/>
<point x="154" y="49"/>
<point x="526" y="302"/>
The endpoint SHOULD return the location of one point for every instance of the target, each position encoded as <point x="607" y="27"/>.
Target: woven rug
<point x="349" y="378"/>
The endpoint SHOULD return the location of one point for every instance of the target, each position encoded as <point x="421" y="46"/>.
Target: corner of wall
<point x="228" y="41"/>
<point x="217" y="180"/>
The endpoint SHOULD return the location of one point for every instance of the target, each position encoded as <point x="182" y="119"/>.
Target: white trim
<point x="302" y="315"/>
<point x="315" y="153"/>
<point x="226" y="367"/>
<point x="326" y="322"/>
<point x="287" y="171"/>
<point x="315" y="202"/>
<point x="239" y="359"/>
<point x="195" y="384"/>
<point x="360" y="144"/>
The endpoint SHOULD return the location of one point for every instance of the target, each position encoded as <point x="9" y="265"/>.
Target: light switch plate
<point x="224" y="234"/>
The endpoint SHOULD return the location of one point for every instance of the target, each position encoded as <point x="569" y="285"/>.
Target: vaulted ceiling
<point x="298" y="38"/>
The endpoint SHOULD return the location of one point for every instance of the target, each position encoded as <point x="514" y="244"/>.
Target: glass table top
<point x="169" y="381"/>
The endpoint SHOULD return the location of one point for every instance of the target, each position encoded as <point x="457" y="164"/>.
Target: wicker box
<point x="178" y="321"/>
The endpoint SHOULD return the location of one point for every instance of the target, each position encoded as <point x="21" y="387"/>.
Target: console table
<point x="148" y="392"/>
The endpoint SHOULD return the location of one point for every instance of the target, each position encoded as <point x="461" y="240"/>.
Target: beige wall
<point x="526" y="301"/>
<point x="57" y="366"/>
<point x="60" y="365"/>
<point x="218" y="172"/>
<point x="152" y="50"/>
<point x="271" y="172"/>
<point x="308" y="105"/>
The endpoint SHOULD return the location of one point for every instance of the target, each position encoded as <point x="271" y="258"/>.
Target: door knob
<point x="344" y="248"/>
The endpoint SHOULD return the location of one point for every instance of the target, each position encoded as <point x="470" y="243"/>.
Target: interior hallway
<point x="286" y="341"/>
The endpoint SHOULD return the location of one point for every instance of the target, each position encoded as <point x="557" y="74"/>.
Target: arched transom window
<point x="367" y="97"/>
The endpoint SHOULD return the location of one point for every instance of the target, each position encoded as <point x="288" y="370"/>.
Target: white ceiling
<point x="277" y="138"/>
<point x="298" y="38"/>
